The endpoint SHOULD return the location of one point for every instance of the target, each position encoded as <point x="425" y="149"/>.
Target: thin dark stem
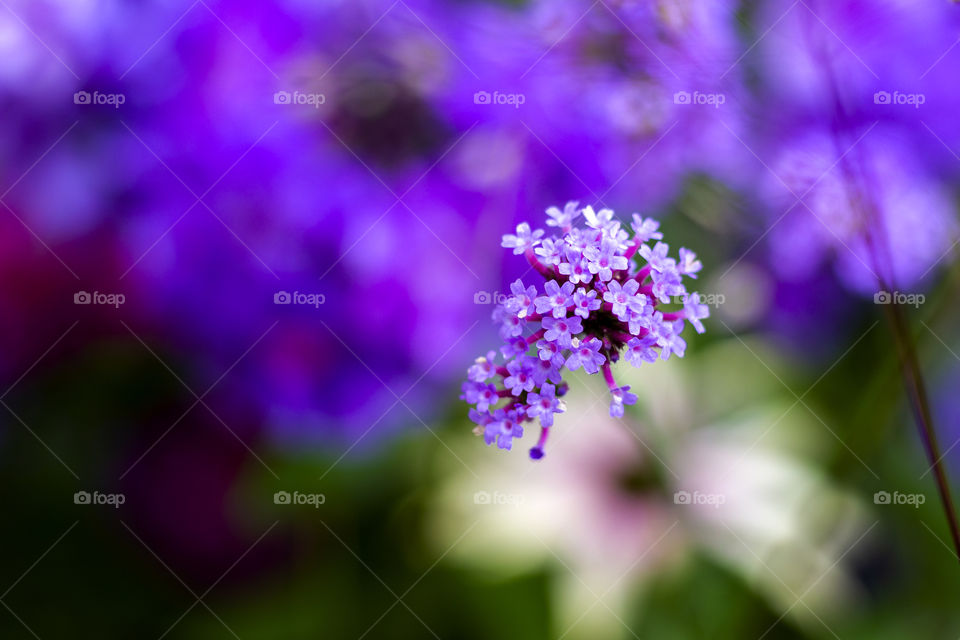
<point x="919" y="404"/>
<point x="881" y="259"/>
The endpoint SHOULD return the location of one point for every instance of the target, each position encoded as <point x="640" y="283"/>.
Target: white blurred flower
<point x="616" y="503"/>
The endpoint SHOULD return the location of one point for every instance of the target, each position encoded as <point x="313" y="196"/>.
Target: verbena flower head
<point x="602" y="289"/>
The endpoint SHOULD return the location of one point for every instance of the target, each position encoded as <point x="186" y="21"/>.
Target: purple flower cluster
<point x="603" y="287"/>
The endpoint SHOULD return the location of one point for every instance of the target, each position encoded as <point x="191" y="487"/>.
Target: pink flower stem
<point x="608" y="376"/>
<point x="541" y="268"/>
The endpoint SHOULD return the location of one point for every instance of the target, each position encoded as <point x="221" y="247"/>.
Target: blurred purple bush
<point x="204" y="193"/>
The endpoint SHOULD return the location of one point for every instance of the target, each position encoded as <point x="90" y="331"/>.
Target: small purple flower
<point x="667" y="283"/>
<point x="482" y="395"/>
<point x="694" y="311"/>
<point x="657" y="257"/>
<point x="521" y="375"/>
<point x="471" y="391"/>
<point x="658" y="328"/>
<point x="646" y="229"/>
<point x="483" y="368"/>
<point x="602" y="219"/>
<point x="550" y="351"/>
<point x="483" y="420"/>
<point x="602" y="260"/>
<point x="619" y="240"/>
<point x="689" y="265"/>
<point x="511" y="325"/>
<point x="525" y="239"/>
<point x="585" y="301"/>
<point x="491" y="430"/>
<point x="640" y="350"/>
<point x="561" y="330"/>
<point x="556" y="300"/>
<point x="563" y="219"/>
<point x="619" y="397"/>
<point x="521" y="302"/>
<point x="480" y="418"/>
<point x="624" y="298"/>
<point x="639" y="322"/>
<point x="514" y="347"/>
<point x="544" y="370"/>
<point x="544" y="404"/>
<point x="502" y="427"/>
<point x="550" y="252"/>
<point x="586" y="354"/>
<point x="670" y="341"/>
<point x="487" y="397"/>
<point x="577" y="240"/>
<point x="575" y="268"/>
<point x="510" y="428"/>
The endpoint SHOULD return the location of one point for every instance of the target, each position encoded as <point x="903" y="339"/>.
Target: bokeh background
<point x="249" y="248"/>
